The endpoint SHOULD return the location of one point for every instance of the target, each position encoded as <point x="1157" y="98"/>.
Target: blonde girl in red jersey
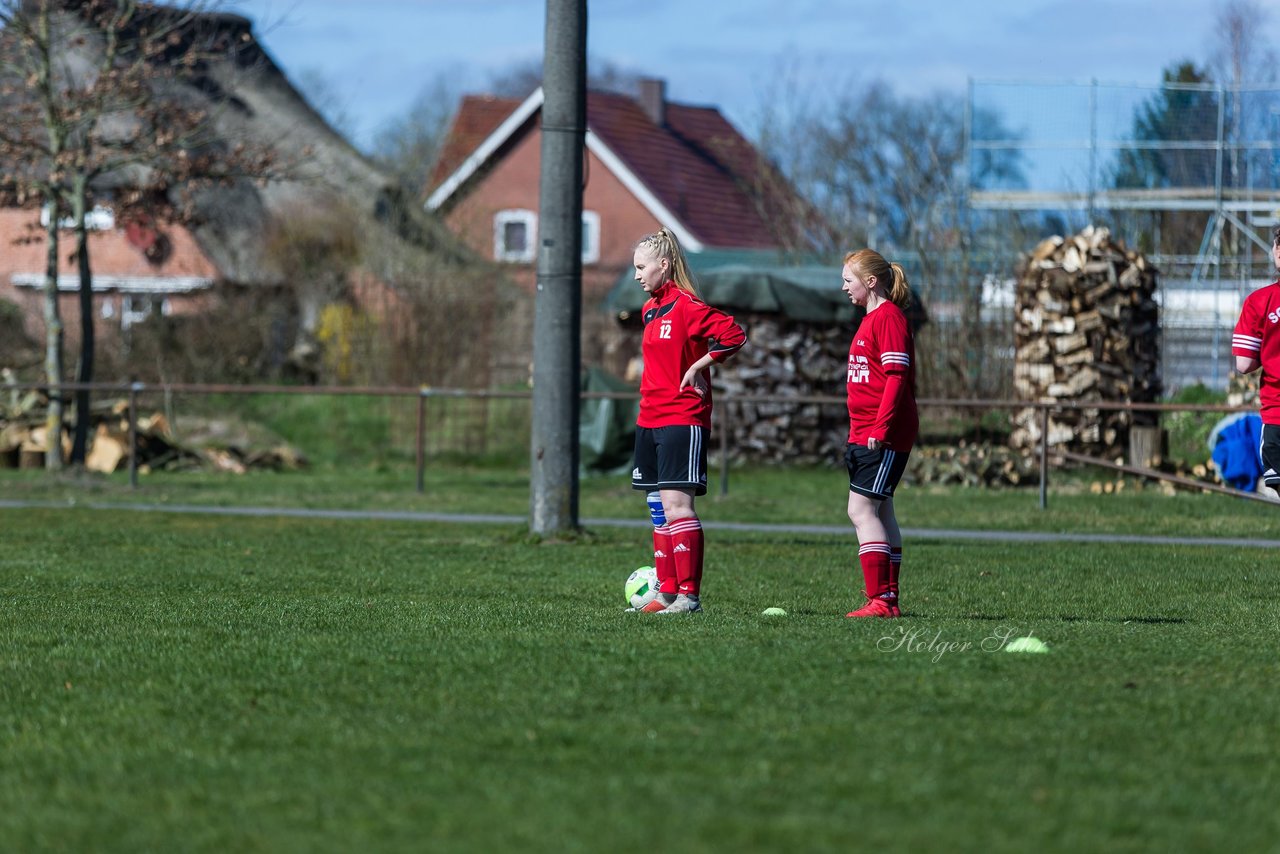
<point x="683" y="336"/>
<point x="882" y="421"/>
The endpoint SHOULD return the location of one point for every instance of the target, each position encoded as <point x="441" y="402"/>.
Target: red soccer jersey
<point x="882" y="380"/>
<point x="1257" y="335"/>
<point x="679" y="329"/>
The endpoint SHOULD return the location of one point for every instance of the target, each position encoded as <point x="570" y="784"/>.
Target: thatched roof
<point x="251" y="103"/>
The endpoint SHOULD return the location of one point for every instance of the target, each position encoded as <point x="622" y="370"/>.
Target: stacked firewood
<point x="972" y="464"/>
<point x="1086" y="329"/>
<point x="794" y="360"/>
<point x="1242" y="389"/>
<point x="24" y="442"/>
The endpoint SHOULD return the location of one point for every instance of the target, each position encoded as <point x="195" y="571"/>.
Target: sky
<point x="375" y="57"/>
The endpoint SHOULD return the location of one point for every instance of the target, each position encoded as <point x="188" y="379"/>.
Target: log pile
<point x="24" y="441"/>
<point x="1086" y="329"/>
<point x="790" y="359"/>
<point x="977" y="464"/>
<point x="1242" y="389"/>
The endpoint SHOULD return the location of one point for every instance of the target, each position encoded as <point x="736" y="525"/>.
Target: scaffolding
<point x="1140" y="159"/>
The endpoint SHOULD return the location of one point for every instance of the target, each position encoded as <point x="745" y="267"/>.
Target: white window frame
<point x="135" y="308"/>
<point x="99" y="219"/>
<point x="516" y="215"/>
<point x="590" y="237"/>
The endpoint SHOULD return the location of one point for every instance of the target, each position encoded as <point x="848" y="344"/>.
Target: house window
<point x="138" y="308"/>
<point x="98" y="219"/>
<point x="515" y="234"/>
<point x="590" y="237"/>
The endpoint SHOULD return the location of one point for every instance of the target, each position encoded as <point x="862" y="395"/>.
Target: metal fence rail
<point x="1046" y="456"/>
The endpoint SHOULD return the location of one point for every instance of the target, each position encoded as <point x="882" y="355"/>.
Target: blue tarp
<point x="1236" y="443"/>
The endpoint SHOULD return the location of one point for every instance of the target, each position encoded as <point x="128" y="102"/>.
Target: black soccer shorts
<point x="1271" y="455"/>
<point x="670" y="458"/>
<point x="874" y="474"/>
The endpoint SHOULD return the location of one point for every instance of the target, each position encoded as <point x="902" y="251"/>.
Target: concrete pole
<point x="557" y="335"/>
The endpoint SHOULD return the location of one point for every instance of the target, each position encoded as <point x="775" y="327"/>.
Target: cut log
<point x="107" y="450"/>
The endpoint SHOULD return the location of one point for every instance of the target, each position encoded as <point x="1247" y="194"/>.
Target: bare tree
<point x="890" y="173"/>
<point x="520" y="79"/>
<point x="1241" y="54"/>
<point x="107" y="116"/>
<point x="409" y="145"/>
<point x="1242" y="60"/>
<point x="27" y="67"/>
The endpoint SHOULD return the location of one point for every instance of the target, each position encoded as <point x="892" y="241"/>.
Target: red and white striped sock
<point x="874" y="558"/>
<point x="663" y="561"/>
<point x="686" y="549"/>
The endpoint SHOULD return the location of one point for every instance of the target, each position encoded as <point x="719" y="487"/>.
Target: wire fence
<point x="1186" y="172"/>
<point x="1118" y="145"/>
<point x="426" y="425"/>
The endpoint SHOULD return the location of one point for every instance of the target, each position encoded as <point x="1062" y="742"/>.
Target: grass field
<point x="203" y="683"/>
<point x="811" y="496"/>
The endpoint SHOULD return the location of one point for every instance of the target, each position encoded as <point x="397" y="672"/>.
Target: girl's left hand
<point x="693" y="379"/>
<point x="873" y="444"/>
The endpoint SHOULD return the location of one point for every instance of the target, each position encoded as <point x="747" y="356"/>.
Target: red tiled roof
<point x="477" y="117"/>
<point x="697" y="164"/>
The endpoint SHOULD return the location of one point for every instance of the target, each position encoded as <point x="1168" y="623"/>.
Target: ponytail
<point x="663" y="244"/>
<point x="900" y="292"/>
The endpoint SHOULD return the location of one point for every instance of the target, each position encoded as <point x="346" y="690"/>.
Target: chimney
<point x="653" y="100"/>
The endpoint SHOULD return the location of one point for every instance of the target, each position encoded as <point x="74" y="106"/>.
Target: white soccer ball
<point x="642" y="587"/>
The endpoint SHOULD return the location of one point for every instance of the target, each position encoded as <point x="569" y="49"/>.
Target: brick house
<point x="138" y="273"/>
<point x="649" y="162"/>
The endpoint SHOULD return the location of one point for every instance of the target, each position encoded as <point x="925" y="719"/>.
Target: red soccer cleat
<point x="893" y="607"/>
<point x="873" y="608"/>
<point x="657" y="605"/>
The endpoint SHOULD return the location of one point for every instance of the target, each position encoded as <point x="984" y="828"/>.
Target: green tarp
<point x="606" y="427"/>
<point x="809" y="293"/>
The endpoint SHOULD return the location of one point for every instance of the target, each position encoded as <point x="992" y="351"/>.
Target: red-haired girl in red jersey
<point x="882" y="421"/>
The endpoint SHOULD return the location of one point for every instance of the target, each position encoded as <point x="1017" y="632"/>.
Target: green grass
<point x="811" y="496"/>
<point x="366" y="431"/>
<point x="1189" y="431"/>
<point x="214" y="684"/>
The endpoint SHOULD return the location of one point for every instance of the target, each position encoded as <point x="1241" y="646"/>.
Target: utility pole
<point x="557" y="321"/>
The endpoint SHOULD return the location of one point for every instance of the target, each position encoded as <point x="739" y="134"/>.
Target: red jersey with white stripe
<point x="679" y="329"/>
<point x="1257" y="335"/>
<point x="882" y="380"/>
